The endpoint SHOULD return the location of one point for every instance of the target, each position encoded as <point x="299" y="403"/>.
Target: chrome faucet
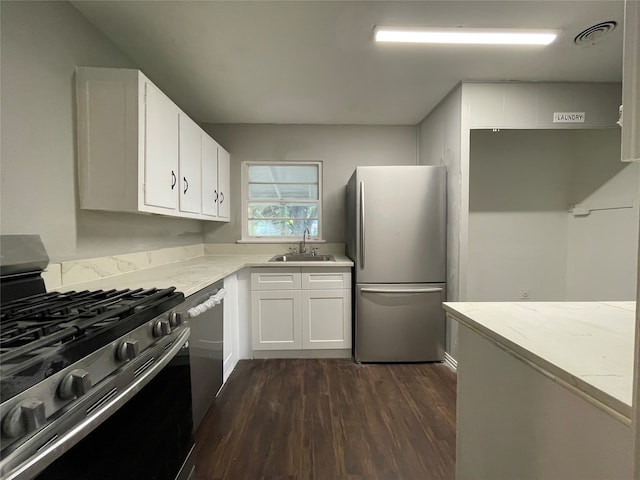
<point x="303" y="245"/>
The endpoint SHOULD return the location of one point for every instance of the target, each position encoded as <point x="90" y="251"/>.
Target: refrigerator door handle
<point x="361" y="225"/>
<point x="411" y="290"/>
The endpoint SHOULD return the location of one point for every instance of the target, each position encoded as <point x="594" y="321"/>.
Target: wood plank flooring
<point x="330" y="419"/>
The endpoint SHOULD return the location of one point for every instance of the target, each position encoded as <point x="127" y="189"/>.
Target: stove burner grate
<point x="44" y="333"/>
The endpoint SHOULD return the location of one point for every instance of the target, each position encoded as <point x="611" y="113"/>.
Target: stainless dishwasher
<point x="204" y="312"/>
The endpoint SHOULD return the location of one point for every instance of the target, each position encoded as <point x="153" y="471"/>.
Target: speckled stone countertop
<point x="187" y="276"/>
<point x="586" y="346"/>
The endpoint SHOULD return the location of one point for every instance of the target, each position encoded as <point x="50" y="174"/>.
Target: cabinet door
<point x="224" y="181"/>
<point x="161" y="152"/>
<point x="210" y="193"/>
<point x="275" y="320"/>
<point x="326" y="319"/>
<point x="190" y="159"/>
<point x="631" y="83"/>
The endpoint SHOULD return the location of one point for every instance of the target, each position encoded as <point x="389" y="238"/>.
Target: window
<point x="281" y="200"/>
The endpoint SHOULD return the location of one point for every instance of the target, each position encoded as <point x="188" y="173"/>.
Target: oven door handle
<point x="208" y="304"/>
<point x="62" y="444"/>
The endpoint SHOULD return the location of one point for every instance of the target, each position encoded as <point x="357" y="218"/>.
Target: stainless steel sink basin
<point x="303" y="258"/>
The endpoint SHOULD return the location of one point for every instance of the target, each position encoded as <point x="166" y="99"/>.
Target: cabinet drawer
<point x="269" y="278"/>
<point x="324" y="278"/>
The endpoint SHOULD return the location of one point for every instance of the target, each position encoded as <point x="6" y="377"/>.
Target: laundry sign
<point x="568" y="117"/>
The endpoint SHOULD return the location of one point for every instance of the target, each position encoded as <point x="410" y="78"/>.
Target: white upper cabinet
<point x="631" y="83"/>
<point x="224" y="182"/>
<point x="161" y="152"/>
<point x="138" y="152"/>
<point x="210" y="193"/>
<point x="190" y="165"/>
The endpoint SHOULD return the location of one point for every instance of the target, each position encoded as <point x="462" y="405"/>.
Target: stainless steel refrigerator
<point x="396" y="236"/>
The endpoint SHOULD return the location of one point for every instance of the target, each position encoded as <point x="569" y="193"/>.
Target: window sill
<point x="280" y="240"/>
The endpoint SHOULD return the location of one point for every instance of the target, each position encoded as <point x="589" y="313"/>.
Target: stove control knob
<point x="128" y="350"/>
<point x="175" y="319"/>
<point x="25" y="417"/>
<point x="75" y="384"/>
<point x="161" y="328"/>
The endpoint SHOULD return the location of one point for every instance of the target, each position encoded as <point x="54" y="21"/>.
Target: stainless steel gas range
<point x="93" y="384"/>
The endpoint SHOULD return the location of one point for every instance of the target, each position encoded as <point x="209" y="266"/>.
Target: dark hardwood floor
<point x="330" y="419"/>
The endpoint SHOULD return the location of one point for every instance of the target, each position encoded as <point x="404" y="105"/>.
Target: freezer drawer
<point x="399" y="322"/>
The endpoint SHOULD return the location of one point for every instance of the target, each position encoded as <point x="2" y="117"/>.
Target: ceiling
<point x="314" y="62"/>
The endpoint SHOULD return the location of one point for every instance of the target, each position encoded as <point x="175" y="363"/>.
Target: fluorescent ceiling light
<point x="477" y="36"/>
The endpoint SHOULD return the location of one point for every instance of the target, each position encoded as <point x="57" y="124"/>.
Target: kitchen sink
<point x="303" y="258"/>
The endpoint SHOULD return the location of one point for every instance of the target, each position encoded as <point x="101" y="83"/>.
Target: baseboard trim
<point x="449" y="360"/>
<point x="320" y="353"/>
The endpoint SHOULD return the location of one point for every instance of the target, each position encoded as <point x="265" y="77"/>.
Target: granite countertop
<point x="585" y="346"/>
<point x="191" y="275"/>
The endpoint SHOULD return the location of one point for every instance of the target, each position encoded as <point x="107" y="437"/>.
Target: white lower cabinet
<point x="276" y="320"/>
<point x="326" y="319"/>
<point x="299" y="308"/>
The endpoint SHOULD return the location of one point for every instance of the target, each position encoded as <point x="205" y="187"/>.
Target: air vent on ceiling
<point x="595" y="33"/>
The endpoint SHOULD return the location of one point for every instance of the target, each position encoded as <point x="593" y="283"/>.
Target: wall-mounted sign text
<point x="568" y="117"/>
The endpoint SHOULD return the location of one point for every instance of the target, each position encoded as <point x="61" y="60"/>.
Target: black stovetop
<point x="43" y="334"/>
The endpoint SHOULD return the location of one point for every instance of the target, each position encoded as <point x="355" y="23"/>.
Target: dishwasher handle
<point x="208" y="304"/>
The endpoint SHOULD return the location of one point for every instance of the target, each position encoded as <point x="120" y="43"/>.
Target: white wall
<point x="518" y="214"/>
<point x="439" y="143"/>
<point x="602" y="247"/>
<point x="521" y="235"/>
<point x="340" y="147"/>
<point x="41" y="44"/>
<point x="445" y="139"/>
<point x="521" y="105"/>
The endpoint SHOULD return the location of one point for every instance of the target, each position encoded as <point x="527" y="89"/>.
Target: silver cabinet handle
<point x="361" y="225"/>
<point x="412" y="290"/>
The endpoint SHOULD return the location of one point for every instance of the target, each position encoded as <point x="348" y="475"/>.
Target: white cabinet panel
<point x="326" y="319"/>
<point x="230" y="348"/>
<point x="224" y="183"/>
<point x="210" y="194"/>
<point x="161" y="154"/>
<point x="275" y="320"/>
<point x="190" y="165"/>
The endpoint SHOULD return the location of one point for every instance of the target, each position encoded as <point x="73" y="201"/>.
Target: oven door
<point x="150" y="437"/>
